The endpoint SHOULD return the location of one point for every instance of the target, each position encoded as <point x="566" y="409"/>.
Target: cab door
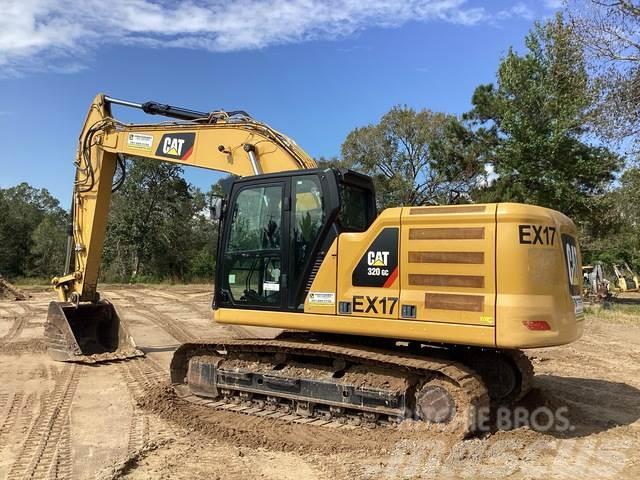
<point x="308" y="229"/>
<point x="254" y="261"/>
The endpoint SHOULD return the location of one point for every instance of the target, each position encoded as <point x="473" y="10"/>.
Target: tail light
<point x="537" y="324"/>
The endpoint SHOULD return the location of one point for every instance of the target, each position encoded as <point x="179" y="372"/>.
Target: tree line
<point x="559" y="127"/>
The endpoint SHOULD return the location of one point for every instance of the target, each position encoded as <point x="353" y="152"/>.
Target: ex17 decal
<point x="375" y="305"/>
<point x="536" y="235"/>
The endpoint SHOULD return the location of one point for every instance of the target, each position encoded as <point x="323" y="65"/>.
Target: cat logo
<point x="572" y="263"/>
<point x="176" y="145"/>
<point x="173" y="146"/>
<point x="378" y="265"/>
<point x="377" y="259"/>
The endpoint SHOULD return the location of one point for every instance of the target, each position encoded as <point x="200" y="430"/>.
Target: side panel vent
<point x="314" y="271"/>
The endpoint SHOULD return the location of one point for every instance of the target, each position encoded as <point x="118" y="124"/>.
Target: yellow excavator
<point x="410" y="313"/>
<point x="626" y="279"/>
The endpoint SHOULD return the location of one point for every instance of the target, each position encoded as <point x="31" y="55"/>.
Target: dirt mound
<point x="7" y="290"/>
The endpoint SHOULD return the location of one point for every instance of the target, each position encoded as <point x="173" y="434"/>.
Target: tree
<point x="151" y="223"/>
<point x="414" y="157"/>
<point x="620" y="241"/>
<point x="531" y="127"/>
<point x="610" y="33"/>
<point x="32" y="225"/>
<point x="205" y="237"/>
<point x="49" y="242"/>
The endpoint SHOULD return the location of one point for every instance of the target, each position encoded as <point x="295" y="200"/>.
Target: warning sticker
<point x="578" y="305"/>
<point x="322" y="298"/>
<point x="140" y="141"/>
<point x="271" y="286"/>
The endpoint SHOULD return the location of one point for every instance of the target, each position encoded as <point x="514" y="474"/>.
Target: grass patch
<point x="623" y="313"/>
<point x="31" y="282"/>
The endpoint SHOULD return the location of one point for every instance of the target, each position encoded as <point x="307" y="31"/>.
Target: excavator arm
<point x="80" y="327"/>
<point x="230" y="142"/>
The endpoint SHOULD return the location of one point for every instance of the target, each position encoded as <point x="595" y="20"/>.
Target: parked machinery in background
<point x="597" y="288"/>
<point x="626" y="279"/>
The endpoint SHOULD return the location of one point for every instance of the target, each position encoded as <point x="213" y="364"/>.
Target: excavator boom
<point x="80" y="326"/>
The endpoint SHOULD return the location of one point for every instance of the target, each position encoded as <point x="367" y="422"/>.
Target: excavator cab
<point x="277" y="229"/>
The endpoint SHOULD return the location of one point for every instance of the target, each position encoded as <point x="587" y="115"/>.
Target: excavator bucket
<point x="87" y="333"/>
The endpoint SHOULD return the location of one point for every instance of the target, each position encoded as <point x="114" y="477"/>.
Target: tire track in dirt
<point x="235" y="331"/>
<point x="169" y="325"/>
<point x="140" y="374"/>
<point x="162" y="320"/>
<point x="61" y="467"/>
<point x="166" y="321"/>
<point x="138" y="435"/>
<point x="25" y="416"/>
<point x="46" y="451"/>
<point x="15" y="330"/>
<point x="204" y="310"/>
<point x="14" y="405"/>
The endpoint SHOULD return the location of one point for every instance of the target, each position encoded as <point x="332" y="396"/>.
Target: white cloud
<point x="519" y="10"/>
<point x="554" y="4"/>
<point x="58" y="34"/>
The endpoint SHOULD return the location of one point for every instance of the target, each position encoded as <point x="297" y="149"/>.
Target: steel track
<point x="474" y="401"/>
<point x="526" y="371"/>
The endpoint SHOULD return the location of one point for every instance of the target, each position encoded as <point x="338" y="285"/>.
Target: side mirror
<point x="216" y="205"/>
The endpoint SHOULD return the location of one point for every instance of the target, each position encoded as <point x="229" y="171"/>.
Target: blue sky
<point x="312" y="69"/>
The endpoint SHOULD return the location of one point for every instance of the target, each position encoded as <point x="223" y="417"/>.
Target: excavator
<point x="626" y="279"/>
<point x="415" y="313"/>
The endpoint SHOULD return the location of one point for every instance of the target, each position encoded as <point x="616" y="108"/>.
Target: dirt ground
<point x="119" y="420"/>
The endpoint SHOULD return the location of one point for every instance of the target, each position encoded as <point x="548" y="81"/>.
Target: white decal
<point x="377" y="259"/>
<point x="271" y="286"/>
<point x="572" y="263"/>
<point x="322" y="298"/>
<point x="579" y="307"/>
<point x="139" y="140"/>
<point x="172" y="146"/>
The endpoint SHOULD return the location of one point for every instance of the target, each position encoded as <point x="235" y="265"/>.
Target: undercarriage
<point x="320" y="380"/>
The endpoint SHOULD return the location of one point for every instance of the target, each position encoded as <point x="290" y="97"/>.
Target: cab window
<point x="354" y="215"/>
<point x="307" y="221"/>
<point x="254" y="256"/>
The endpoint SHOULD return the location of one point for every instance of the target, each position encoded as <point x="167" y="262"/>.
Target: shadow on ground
<point x="578" y="407"/>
